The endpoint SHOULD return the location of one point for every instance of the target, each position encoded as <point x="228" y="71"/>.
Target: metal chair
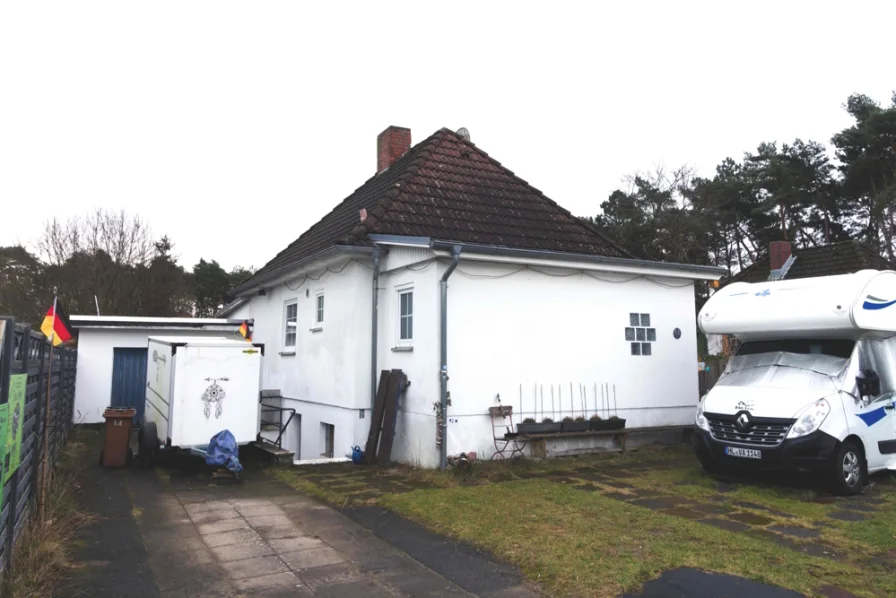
<point x="505" y="437"/>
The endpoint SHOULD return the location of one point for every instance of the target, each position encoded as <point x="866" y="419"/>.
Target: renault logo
<point x="743" y="421"/>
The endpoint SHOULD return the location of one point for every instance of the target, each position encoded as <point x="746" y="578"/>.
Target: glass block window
<point x="640" y="334"/>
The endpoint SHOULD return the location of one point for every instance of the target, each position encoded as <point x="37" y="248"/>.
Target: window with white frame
<point x="406" y="316"/>
<point x="319" y="310"/>
<point x="290" y="313"/>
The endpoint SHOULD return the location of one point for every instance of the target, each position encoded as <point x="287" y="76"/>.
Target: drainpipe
<point x="374" y="319"/>
<point x="443" y="372"/>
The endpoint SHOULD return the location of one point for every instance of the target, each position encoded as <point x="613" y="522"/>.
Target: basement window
<point x="327" y="432"/>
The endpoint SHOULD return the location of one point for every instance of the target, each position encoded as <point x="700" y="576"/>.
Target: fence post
<point x="5" y="371"/>
<point x="38" y="421"/>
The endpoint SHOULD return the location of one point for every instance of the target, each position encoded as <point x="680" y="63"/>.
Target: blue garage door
<point x="129" y="380"/>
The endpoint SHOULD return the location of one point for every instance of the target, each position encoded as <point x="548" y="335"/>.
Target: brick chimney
<point x="778" y="253"/>
<point x="391" y="144"/>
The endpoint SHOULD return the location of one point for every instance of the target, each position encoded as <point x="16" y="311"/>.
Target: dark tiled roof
<point x="825" y="260"/>
<point x="448" y="189"/>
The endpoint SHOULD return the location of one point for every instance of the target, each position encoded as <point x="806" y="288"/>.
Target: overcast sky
<point x="233" y="127"/>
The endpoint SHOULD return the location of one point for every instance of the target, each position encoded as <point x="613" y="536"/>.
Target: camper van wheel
<point x="849" y="469"/>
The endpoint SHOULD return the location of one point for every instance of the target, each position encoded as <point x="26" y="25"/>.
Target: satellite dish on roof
<point x="463" y="132"/>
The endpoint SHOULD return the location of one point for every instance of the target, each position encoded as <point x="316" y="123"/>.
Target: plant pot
<point x="525" y="428"/>
<point x="596" y="425"/>
<point x="576" y="426"/>
<point x="616" y="424"/>
<point x="608" y="424"/>
<point x="540" y="428"/>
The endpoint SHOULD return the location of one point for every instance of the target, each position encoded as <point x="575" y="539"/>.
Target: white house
<point x="112" y="358"/>
<point x="481" y="289"/>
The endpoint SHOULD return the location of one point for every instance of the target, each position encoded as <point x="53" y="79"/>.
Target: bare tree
<point x="97" y="260"/>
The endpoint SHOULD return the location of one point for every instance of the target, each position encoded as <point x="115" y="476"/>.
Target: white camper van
<point x="197" y="387"/>
<point x="812" y="386"/>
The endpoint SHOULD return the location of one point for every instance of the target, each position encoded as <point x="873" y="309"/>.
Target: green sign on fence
<point x="15" y="416"/>
<point x="3" y="429"/>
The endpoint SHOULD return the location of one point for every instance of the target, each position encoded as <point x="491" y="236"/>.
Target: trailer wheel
<point x="148" y="441"/>
<point x="848" y="469"/>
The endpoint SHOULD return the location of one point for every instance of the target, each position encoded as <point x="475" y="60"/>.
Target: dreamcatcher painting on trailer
<point x="214" y="394"/>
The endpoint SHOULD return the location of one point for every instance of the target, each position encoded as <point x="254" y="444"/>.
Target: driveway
<point x="173" y="532"/>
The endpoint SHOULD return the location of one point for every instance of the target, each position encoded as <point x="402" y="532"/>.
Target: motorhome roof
<point x="847" y="306"/>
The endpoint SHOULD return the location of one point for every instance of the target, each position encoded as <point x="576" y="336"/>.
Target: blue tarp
<point x="224" y="451"/>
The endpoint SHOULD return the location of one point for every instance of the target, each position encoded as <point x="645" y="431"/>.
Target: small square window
<point x="629" y="334"/>
<point x="634" y="320"/>
<point x="636" y="348"/>
<point x="645" y="319"/>
<point x="651" y="334"/>
<point x="641" y="334"/>
<point x="645" y="349"/>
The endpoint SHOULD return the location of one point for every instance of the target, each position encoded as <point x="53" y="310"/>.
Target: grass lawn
<point x="571" y="525"/>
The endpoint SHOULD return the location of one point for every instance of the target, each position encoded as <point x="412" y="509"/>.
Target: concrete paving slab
<point x="213" y="516"/>
<point x="283" y="545"/>
<point x="219" y="589"/>
<point x="316" y="557"/>
<point x="268" y="520"/>
<point x="281" y="531"/>
<point x="268" y="509"/>
<point x="352" y="589"/>
<point x="225" y="525"/>
<point x="238" y="536"/>
<point x="207" y="507"/>
<point x="252" y="586"/>
<point x="236" y="552"/>
<point x="255" y="567"/>
<point x="324" y="575"/>
<point x="188" y="574"/>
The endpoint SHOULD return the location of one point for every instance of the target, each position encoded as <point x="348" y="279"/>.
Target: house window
<point x="327" y="431"/>
<point x="406" y="316"/>
<point x="639" y="330"/>
<point x="319" y="311"/>
<point x="289" y="324"/>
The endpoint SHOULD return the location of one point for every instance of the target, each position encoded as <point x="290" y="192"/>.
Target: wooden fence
<point x="25" y="361"/>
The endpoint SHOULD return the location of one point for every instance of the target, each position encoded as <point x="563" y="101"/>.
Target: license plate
<point x="734" y="451"/>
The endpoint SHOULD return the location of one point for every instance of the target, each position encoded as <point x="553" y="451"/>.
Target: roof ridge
<point x="591" y="229"/>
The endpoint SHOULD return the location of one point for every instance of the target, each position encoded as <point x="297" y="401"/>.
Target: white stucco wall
<point x="327" y="373"/>
<point x="522" y="328"/>
<point x="531" y="330"/>
<point x="93" y="385"/>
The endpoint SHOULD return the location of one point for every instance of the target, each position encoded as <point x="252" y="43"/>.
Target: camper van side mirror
<point x="868" y="383"/>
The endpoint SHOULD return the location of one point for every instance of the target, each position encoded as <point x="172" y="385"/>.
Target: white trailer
<point x="812" y="386"/>
<point x="197" y="387"/>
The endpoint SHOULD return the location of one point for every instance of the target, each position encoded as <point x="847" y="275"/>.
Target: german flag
<point x="245" y="332"/>
<point x="56" y="325"/>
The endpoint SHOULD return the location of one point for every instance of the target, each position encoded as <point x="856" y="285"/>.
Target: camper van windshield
<point x="791" y="363"/>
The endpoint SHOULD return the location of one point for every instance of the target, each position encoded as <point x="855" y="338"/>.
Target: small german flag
<point x="55" y="325"/>
<point x="245" y="332"/>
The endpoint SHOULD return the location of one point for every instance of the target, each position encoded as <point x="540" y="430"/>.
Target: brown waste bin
<point x="117" y="436"/>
